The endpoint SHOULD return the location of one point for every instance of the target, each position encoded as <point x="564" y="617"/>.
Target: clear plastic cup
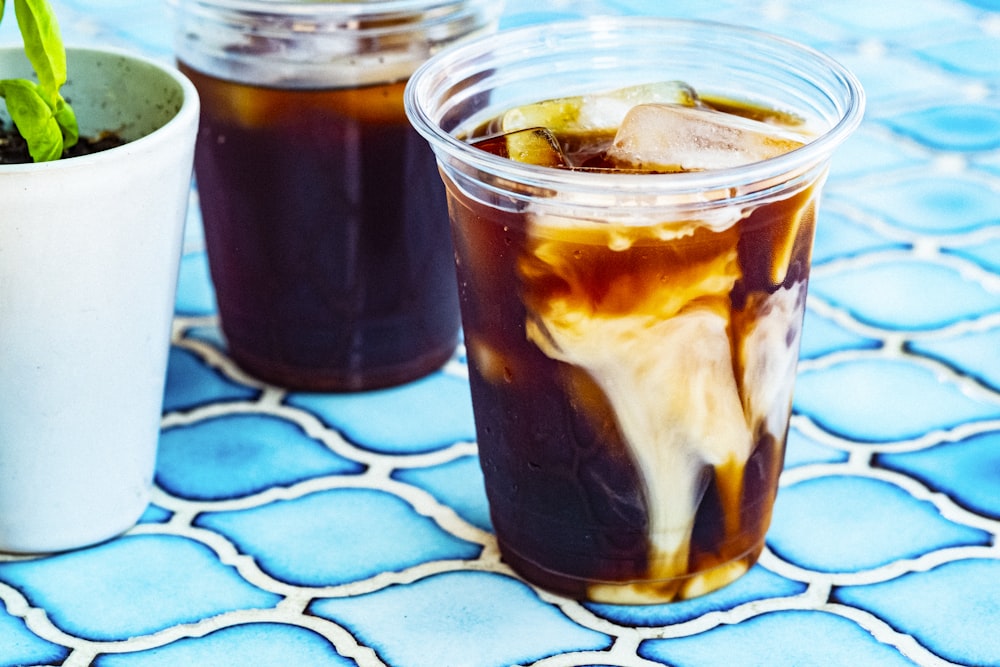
<point x="632" y="337"/>
<point x="324" y="220"/>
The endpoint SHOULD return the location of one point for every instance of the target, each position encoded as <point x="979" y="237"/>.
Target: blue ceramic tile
<point x="779" y="639"/>
<point x="337" y="536"/>
<point x="191" y="383"/>
<point x="459" y="484"/>
<point x="210" y="334"/>
<point x="256" y="644"/>
<point x="801" y="450"/>
<point x="194" y="226"/>
<point x="421" y="416"/>
<point x="459" y="618"/>
<point x="968" y="471"/>
<point x="973" y="354"/>
<point x="882" y="294"/>
<point x="125" y="23"/>
<point x="890" y="17"/>
<point x="987" y="254"/>
<point x="238" y="455"/>
<point x="22" y="647"/>
<point x="893" y="81"/>
<point x="849" y="524"/>
<point x="965" y="56"/>
<point x="838" y="236"/>
<point x="155" y="514"/>
<point x="955" y="616"/>
<point x="195" y="295"/>
<point x="878" y="400"/>
<point x="989" y="162"/>
<point x="821" y="336"/>
<point x="957" y="127"/>
<point x="934" y="205"/>
<point x="679" y="8"/>
<point x="539" y="16"/>
<point x="132" y="586"/>
<point x="872" y="152"/>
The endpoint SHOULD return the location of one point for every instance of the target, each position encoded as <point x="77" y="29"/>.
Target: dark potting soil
<point x="14" y="149"/>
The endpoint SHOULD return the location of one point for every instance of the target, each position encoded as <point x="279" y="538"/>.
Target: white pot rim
<point x="190" y="108"/>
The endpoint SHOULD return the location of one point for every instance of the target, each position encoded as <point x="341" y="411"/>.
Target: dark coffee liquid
<point x="570" y="504"/>
<point x="327" y="235"/>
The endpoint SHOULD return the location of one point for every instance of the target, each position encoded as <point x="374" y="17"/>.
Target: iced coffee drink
<point x="633" y="319"/>
<point x="325" y="221"/>
<point x="327" y="232"/>
<point x="669" y="344"/>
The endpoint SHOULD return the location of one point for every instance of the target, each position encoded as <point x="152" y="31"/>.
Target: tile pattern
<point x="353" y="530"/>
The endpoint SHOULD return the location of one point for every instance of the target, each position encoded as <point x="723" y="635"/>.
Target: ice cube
<point x="598" y="111"/>
<point x="531" y="146"/>
<point x="671" y="137"/>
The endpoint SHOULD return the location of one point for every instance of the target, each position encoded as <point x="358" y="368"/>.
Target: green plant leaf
<point x="39" y="111"/>
<point x="43" y="46"/>
<point x="66" y="118"/>
<point x="33" y="118"/>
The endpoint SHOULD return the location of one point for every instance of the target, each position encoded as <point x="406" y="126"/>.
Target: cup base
<point x="635" y="592"/>
<point x="326" y="379"/>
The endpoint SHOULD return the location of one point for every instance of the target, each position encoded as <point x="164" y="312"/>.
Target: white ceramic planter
<point x="89" y="253"/>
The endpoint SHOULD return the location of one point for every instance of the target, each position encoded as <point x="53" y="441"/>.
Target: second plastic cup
<point x="632" y="337"/>
<point x="324" y="217"/>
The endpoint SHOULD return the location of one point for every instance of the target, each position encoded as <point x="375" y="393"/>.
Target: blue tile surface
<point x="136" y="585"/>
<point x="460" y="618"/>
<point x="956" y="615"/>
<point x="337" y="536"/>
<point x="231" y="456"/>
<point x="963" y="127"/>
<point x="878" y="399"/>
<point x="258" y="644"/>
<point x="318" y="529"/>
<point x="428" y="414"/>
<point x="785" y="638"/>
<point x="851" y="524"/>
